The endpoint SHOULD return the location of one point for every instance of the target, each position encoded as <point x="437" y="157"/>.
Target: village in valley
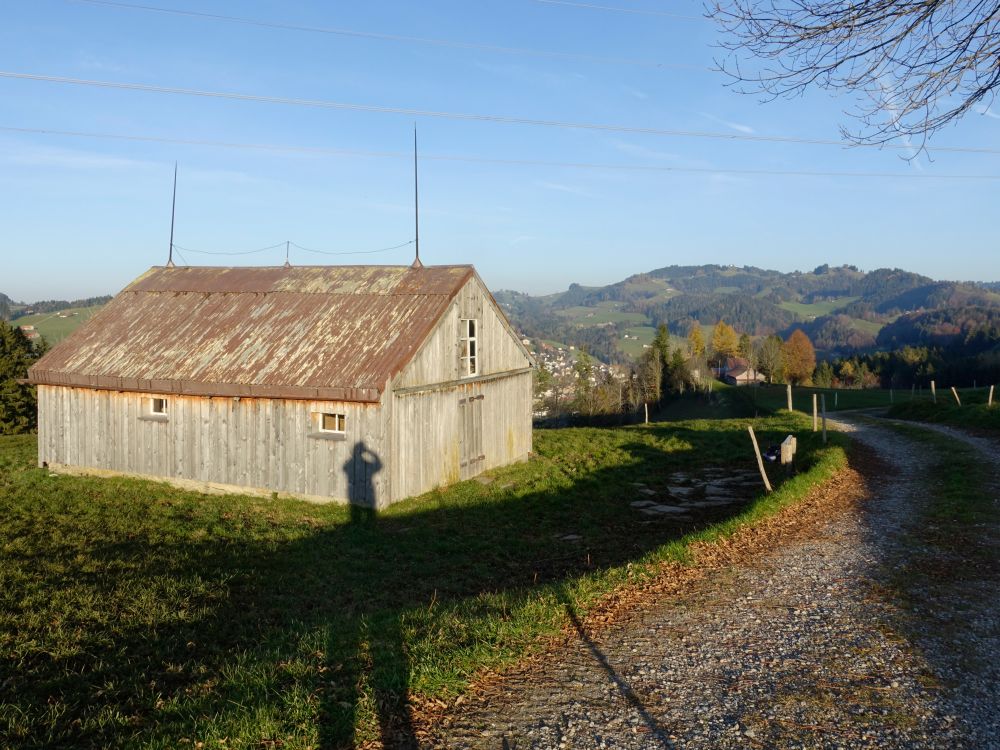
<point x="547" y="375"/>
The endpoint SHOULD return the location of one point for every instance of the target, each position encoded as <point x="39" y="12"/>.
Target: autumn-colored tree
<point x="799" y="358"/>
<point x="724" y="341"/>
<point x="846" y="372"/>
<point x="696" y="341"/>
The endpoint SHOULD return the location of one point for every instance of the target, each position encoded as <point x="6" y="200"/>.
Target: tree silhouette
<point x="921" y="64"/>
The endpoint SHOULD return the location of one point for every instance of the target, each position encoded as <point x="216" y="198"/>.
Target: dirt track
<point x="853" y="629"/>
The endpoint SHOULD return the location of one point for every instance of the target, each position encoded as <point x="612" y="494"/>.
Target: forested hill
<point x="842" y="309"/>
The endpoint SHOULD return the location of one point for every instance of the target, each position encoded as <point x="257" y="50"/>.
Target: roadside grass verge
<point x="972" y="415"/>
<point x="767" y="399"/>
<point x="957" y="478"/>
<point x="133" y="614"/>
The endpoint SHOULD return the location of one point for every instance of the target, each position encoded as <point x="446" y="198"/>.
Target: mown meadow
<point x="133" y="614"/>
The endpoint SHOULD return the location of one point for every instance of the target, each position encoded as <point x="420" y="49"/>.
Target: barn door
<point x="470" y="417"/>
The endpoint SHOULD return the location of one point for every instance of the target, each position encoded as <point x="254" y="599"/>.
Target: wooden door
<point x="470" y="418"/>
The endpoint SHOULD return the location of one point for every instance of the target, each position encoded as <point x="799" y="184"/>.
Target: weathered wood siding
<point x="438" y="361"/>
<point x="249" y="442"/>
<point x="428" y="425"/>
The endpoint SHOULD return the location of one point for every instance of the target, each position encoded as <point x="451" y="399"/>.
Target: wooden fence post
<point x="990" y="402"/>
<point x="823" y="401"/>
<point x="760" y="460"/>
<point x="934" y="391"/>
<point x="645" y="406"/>
<point x="955" y="393"/>
<point x="815" y="413"/>
<point x="788" y="391"/>
<point x="836" y="400"/>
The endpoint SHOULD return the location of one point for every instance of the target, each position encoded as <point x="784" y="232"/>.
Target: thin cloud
<point x="560" y="187"/>
<point x="33" y="156"/>
<point x="636" y="93"/>
<point x="738" y="127"/>
<point x="988" y="112"/>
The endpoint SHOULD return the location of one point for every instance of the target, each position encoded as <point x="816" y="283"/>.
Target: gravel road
<point x="865" y="632"/>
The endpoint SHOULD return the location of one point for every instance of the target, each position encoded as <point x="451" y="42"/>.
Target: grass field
<point x="973" y="413"/>
<point x="770" y="398"/>
<point x="634" y="347"/>
<point x="606" y="312"/>
<point x="137" y="615"/>
<point x="55" y="328"/>
<point x="817" y="309"/>
<point x="646" y="334"/>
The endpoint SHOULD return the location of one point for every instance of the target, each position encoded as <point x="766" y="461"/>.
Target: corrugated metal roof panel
<point x="301" y="332"/>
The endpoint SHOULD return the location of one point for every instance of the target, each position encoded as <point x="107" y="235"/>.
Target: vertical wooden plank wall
<point x="258" y="443"/>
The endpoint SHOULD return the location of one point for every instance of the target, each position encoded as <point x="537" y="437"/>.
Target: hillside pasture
<point x="601" y="314"/>
<point x="817" y="309"/>
<point x="56" y="326"/>
<point x="133" y="614"/>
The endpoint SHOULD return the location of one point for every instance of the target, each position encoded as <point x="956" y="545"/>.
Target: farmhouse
<point x="366" y="384"/>
<point x="737" y="371"/>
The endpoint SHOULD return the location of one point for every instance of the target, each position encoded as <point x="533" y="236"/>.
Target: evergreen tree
<point x="823" y="378"/>
<point x="743" y="348"/>
<point x="680" y="377"/>
<point x="18" y="411"/>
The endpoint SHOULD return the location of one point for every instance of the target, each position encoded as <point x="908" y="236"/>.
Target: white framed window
<point x="332" y="423"/>
<point x="469" y="337"/>
<point x="155" y="409"/>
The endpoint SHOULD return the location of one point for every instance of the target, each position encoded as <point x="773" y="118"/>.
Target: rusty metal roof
<point x="316" y="332"/>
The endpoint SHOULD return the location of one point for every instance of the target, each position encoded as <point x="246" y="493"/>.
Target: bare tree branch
<point x="921" y="64"/>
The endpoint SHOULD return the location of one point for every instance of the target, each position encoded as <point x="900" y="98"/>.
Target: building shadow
<point x="323" y="614"/>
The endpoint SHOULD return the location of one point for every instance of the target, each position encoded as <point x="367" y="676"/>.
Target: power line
<point x="285" y="26"/>
<point x="285" y="244"/>
<point x="235" y="252"/>
<point x="320" y="151"/>
<point x="617" y="9"/>
<point x="462" y="116"/>
<point x="353" y="252"/>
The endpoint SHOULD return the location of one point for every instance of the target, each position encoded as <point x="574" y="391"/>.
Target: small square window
<point x="158" y="406"/>
<point x="333" y="423"/>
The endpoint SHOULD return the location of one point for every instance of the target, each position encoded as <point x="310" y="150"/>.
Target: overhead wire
<point x="353" y="252"/>
<point x="456" y="44"/>
<point x="653" y="168"/>
<point x="220" y="252"/>
<point x="464" y="116"/>
<point x="619" y="9"/>
<point x="285" y="245"/>
<point x="180" y="255"/>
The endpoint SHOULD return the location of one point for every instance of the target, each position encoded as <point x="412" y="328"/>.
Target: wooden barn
<point x="366" y="384"/>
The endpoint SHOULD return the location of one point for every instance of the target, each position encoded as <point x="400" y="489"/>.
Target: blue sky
<point x="83" y="216"/>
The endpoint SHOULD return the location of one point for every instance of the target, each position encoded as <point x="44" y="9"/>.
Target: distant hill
<point x="57" y="305"/>
<point x="842" y="309"/>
